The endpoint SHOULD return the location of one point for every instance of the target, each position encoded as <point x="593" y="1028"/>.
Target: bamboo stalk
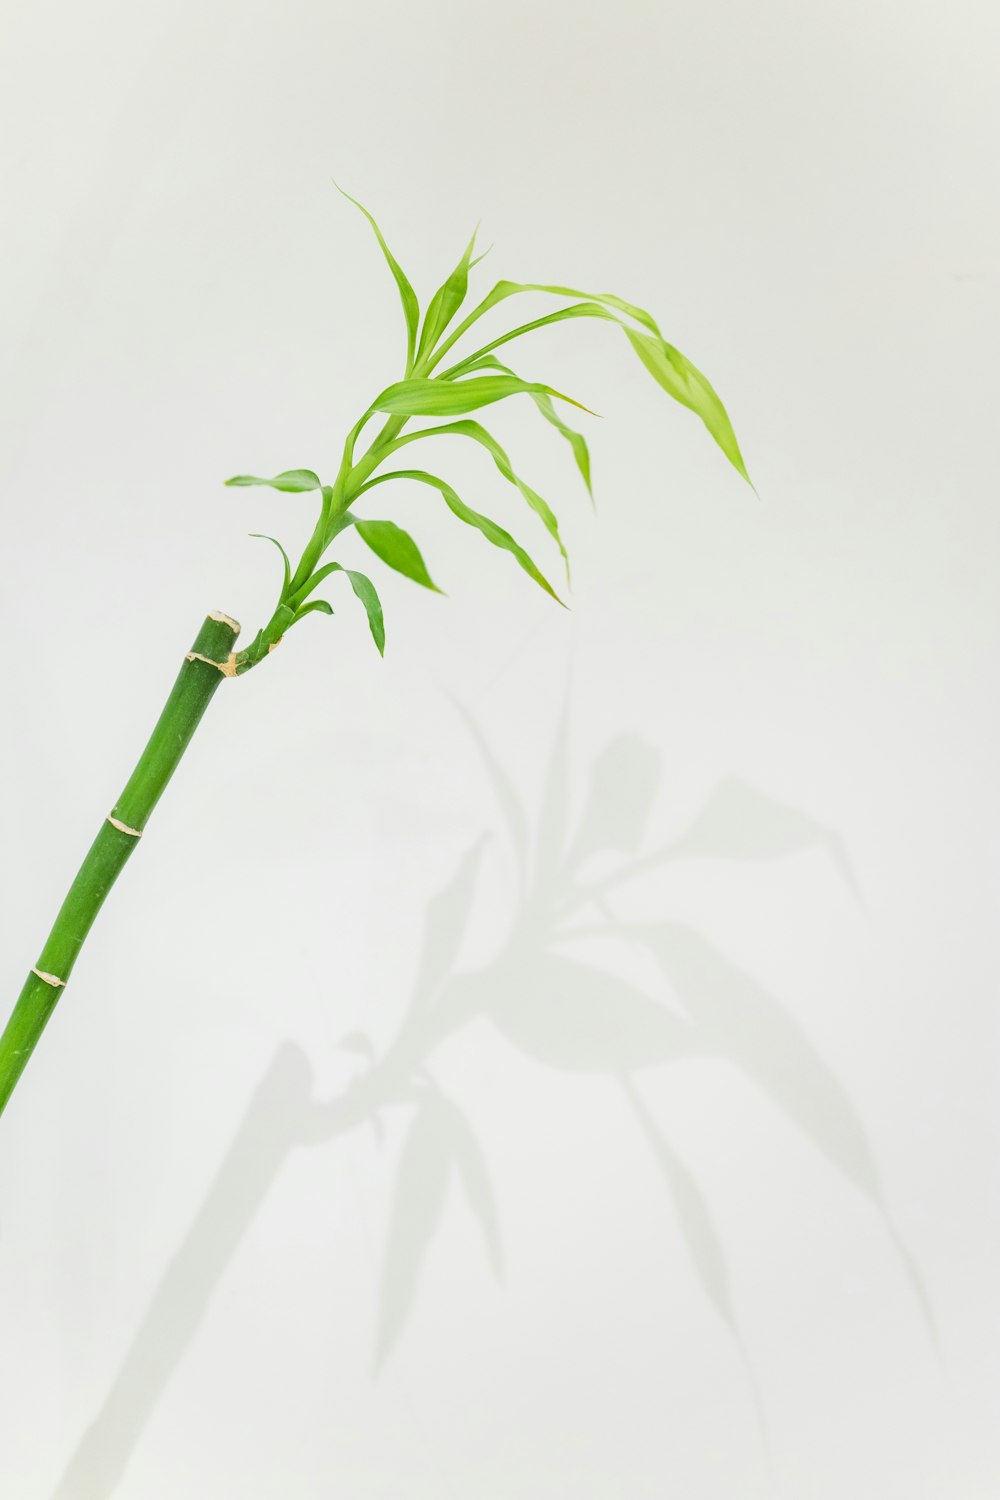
<point x="211" y="658"/>
<point x="205" y="665"/>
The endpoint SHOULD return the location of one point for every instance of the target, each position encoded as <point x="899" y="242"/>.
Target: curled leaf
<point x="479" y="434"/>
<point x="578" y="310"/>
<point x="363" y="588"/>
<point x="487" y="528"/>
<point x="668" y="367"/>
<point x="576" y="440"/>
<point x="408" y="297"/>
<point x="682" y="380"/>
<point x="261" y="536"/>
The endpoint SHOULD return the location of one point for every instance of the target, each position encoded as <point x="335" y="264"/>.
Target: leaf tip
<point x="578" y="404"/>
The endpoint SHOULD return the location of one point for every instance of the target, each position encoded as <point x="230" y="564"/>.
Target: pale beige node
<point x="133" y="833"/>
<point x="53" y="979"/>
<point x="225" y="620"/>
<point x="227" y="667"/>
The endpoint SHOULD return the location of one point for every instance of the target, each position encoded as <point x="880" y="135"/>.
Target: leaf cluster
<point x="477" y="380"/>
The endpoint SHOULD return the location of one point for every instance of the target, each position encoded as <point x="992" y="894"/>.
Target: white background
<point x="805" y="196"/>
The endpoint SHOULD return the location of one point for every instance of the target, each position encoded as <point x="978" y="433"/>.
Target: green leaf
<point x="408" y="297"/>
<point x="576" y="440"/>
<point x="505" y="289"/>
<point x="322" y="605"/>
<point x="262" y="536"/>
<point x="292" y="481"/>
<point x="479" y="434"/>
<point x="578" y="310"/>
<point x="445" y="398"/>
<point x="363" y="588"/>
<point x="487" y="528"/>
<point x="445" y="303"/>
<point x="668" y="367"/>
<point x="366" y="592"/>
<point x="680" y="379"/>
<point x="397" y="549"/>
<point x="315" y="579"/>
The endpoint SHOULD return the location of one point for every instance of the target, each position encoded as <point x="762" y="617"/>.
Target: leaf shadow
<point x="550" y="1004"/>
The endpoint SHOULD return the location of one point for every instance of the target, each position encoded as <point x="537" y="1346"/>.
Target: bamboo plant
<point x="472" y="381"/>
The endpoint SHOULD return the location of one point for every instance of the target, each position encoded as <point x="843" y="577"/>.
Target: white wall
<point x="713" y="1290"/>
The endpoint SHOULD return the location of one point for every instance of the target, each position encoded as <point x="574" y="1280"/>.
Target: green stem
<point x="209" y="660"/>
<point x="333" y="516"/>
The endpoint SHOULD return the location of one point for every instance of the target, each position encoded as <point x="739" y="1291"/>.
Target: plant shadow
<point x="549" y="1002"/>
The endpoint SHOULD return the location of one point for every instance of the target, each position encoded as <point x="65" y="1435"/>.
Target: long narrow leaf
<point x="578" y="310"/>
<point x="682" y="380"/>
<point x="576" y="440"/>
<point x="479" y="434"/>
<point x="487" y="528"/>
<point x="408" y="297"/>
<point x="261" y="536"/>
<point x="291" y="481"/>
<point x="363" y="588"/>
<point x="504" y="289"/>
<point x="445" y="303"/>
<point x="444" y="398"/>
<point x="668" y="367"/>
